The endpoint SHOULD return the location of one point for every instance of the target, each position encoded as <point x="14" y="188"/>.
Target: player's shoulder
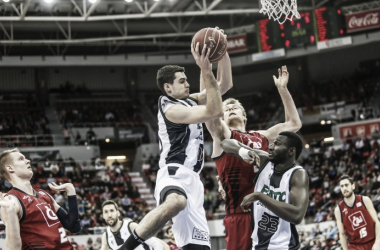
<point x="163" y="100"/>
<point x="366" y="199"/>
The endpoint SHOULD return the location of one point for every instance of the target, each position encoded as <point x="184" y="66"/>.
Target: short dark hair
<point x="294" y="140"/>
<point x="167" y="229"/>
<point x="110" y="202"/>
<point x="344" y="177"/>
<point x="167" y="75"/>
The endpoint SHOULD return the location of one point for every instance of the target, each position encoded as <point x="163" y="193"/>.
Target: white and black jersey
<point x="180" y="144"/>
<point x="270" y="231"/>
<point x="116" y="239"/>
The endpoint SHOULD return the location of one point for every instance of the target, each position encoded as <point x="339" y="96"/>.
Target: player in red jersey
<point x="32" y="218"/>
<point x="171" y="242"/>
<point x="358" y="225"/>
<point x="235" y="174"/>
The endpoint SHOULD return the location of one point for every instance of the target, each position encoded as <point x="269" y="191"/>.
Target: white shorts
<point x="190" y="225"/>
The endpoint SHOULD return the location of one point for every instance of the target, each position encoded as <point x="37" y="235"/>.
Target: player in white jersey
<point x="179" y="191"/>
<point x="281" y="193"/>
<point x="118" y="230"/>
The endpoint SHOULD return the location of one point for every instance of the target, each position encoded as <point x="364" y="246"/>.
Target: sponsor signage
<point x="363" y="20"/>
<point x="359" y="129"/>
<point x="333" y="43"/>
<point x="268" y="55"/>
<point x="237" y="43"/>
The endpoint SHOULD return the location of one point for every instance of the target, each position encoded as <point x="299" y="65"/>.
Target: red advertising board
<point x="237" y="43"/>
<point x="359" y="129"/>
<point x="364" y="20"/>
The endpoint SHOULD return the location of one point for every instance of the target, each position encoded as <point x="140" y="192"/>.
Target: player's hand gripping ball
<point x="214" y="39"/>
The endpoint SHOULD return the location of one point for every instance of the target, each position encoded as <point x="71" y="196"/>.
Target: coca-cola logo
<point x="367" y="20"/>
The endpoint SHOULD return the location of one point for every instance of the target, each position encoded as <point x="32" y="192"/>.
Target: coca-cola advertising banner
<point x="362" y="20"/>
<point x="237" y="43"/>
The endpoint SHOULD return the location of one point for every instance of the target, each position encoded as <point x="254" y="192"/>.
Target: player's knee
<point x="177" y="202"/>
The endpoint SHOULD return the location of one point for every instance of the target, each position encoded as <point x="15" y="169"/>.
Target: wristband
<point x="243" y="153"/>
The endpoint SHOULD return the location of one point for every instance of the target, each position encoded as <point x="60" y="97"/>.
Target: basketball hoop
<point x="280" y="10"/>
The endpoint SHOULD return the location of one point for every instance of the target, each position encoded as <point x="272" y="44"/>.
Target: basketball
<point x="214" y="40"/>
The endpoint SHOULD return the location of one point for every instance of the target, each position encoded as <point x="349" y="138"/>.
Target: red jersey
<point x="172" y="246"/>
<point x="357" y="221"/>
<point x="235" y="174"/>
<point x="40" y="227"/>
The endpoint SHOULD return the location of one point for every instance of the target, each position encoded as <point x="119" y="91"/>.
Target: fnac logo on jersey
<point x="357" y="220"/>
<point x="48" y="213"/>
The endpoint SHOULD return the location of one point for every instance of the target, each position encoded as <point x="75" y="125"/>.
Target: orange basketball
<point x="214" y="40"/>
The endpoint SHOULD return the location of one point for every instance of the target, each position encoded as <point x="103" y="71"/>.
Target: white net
<point x="280" y="10"/>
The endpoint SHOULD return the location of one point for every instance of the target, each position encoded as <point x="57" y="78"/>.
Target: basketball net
<point x="280" y="10"/>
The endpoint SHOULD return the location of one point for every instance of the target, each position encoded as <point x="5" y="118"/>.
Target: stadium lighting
<point x="5" y="1"/>
<point x="48" y="1"/>
<point x="93" y="1"/>
<point x="327" y="139"/>
<point x="117" y="157"/>
<point x="129" y="1"/>
<point x="323" y="122"/>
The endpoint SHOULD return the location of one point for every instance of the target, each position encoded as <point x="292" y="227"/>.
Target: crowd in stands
<point x="23" y="122"/>
<point x="97" y="112"/>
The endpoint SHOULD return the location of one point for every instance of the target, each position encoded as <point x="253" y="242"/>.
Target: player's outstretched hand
<point x="68" y="187"/>
<point x="246" y="203"/>
<point x="283" y="77"/>
<point x="202" y="59"/>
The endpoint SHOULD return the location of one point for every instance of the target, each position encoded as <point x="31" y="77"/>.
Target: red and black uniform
<point x="173" y="246"/>
<point x="40" y="227"/>
<point x="237" y="180"/>
<point x="358" y="224"/>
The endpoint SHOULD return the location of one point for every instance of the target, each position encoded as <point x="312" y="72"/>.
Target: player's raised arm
<point x="342" y="234"/>
<point x="293" y="212"/>
<point x="10" y="215"/>
<point x="224" y="76"/>
<point x="292" y="120"/>
<point x="197" y="114"/>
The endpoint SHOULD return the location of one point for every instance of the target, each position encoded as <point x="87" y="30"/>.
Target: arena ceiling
<point x="80" y="27"/>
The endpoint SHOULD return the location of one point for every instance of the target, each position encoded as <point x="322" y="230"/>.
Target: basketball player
<point x="179" y="191"/>
<point x="236" y="175"/>
<point x="118" y="230"/>
<point x="32" y="218"/>
<point x="358" y="225"/>
<point x="171" y="242"/>
<point x="281" y="192"/>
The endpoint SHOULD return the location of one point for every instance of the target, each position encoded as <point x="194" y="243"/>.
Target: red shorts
<point x="364" y="246"/>
<point x="238" y="231"/>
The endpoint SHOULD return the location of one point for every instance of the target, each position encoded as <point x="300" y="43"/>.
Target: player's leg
<point x="155" y="220"/>
<point x="238" y="231"/>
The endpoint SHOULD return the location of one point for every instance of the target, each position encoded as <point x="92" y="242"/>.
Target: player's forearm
<point x="292" y="118"/>
<point x="12" y="230"/>
<point x="283" y="210"/>
<point x="224" y="74"/>
<point x="232" y="146"/>
<point x="343" y="241"/>
<point x="214" y="99"/>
